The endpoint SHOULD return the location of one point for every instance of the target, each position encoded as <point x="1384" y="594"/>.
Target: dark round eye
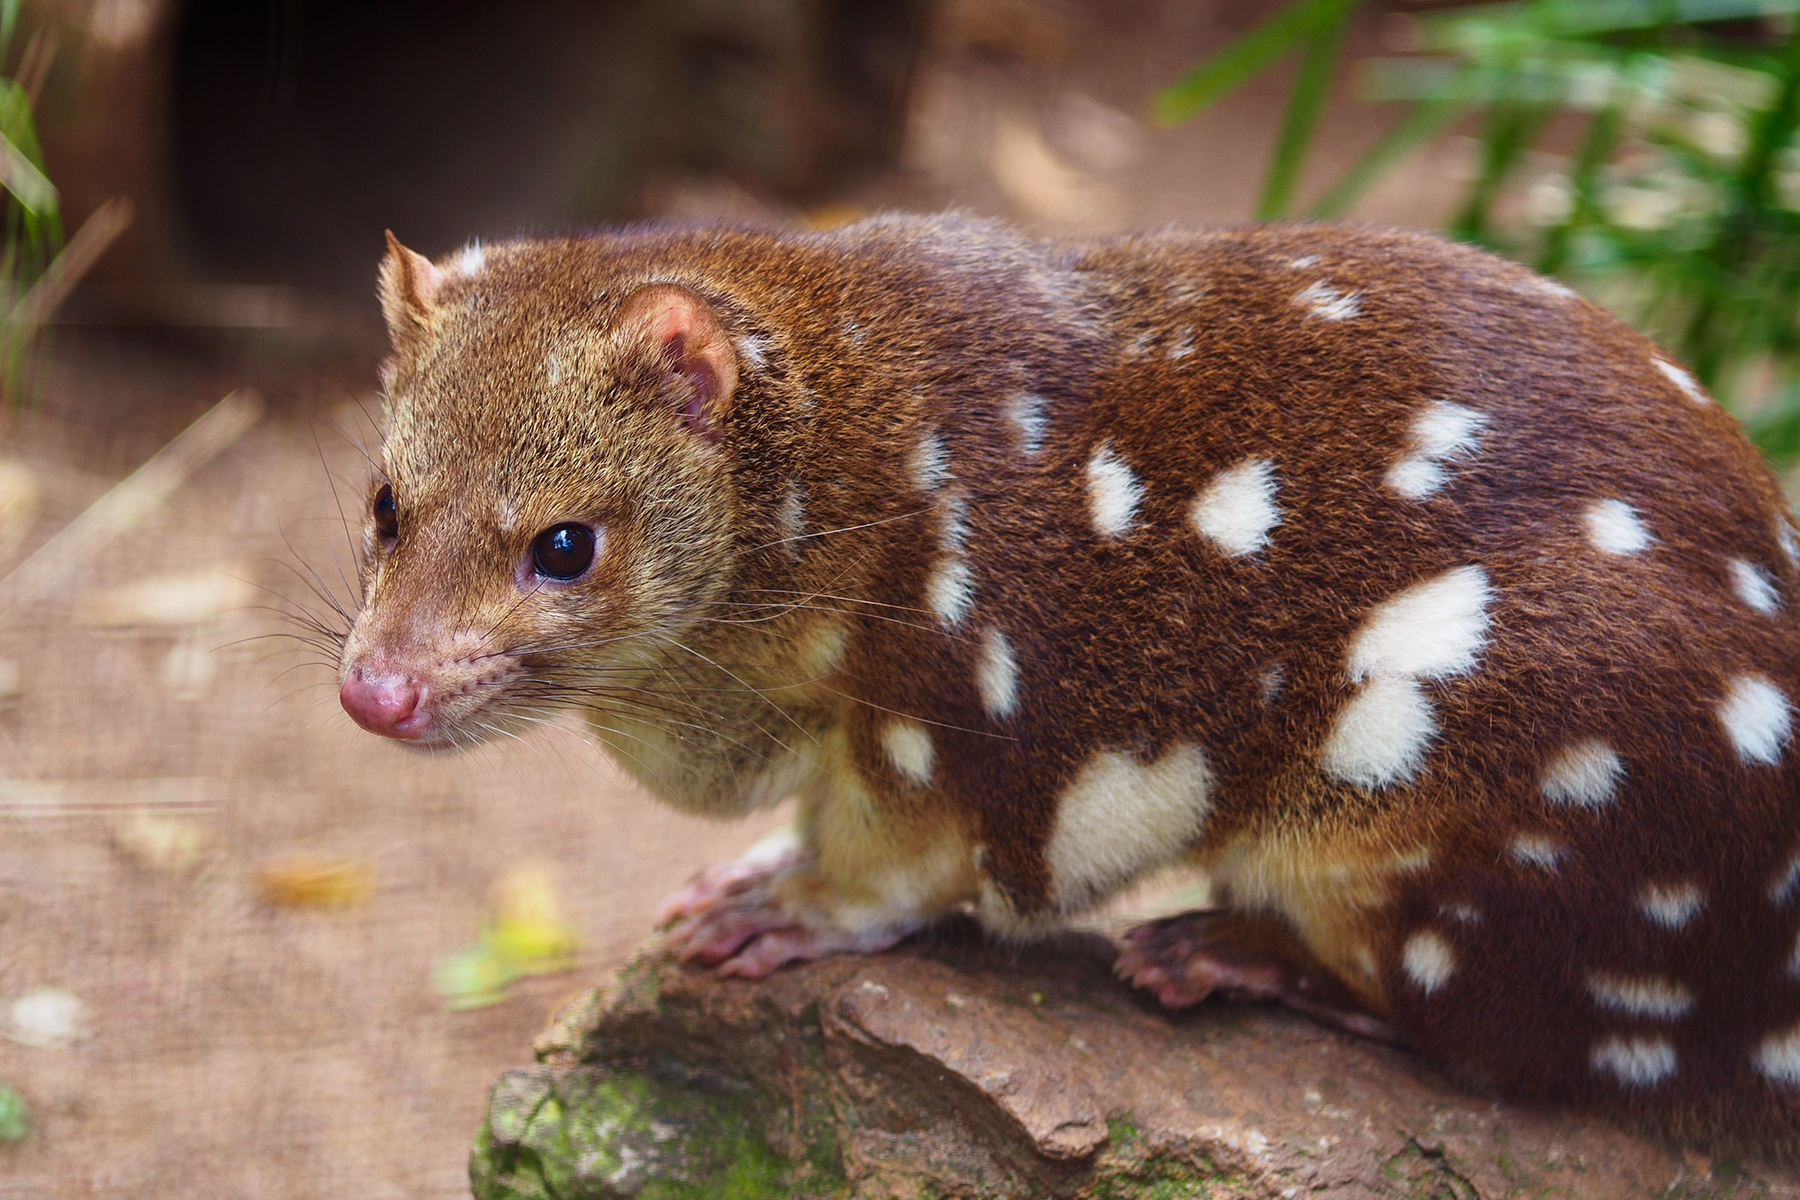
<point x="387" y="520"/>
<point x="563" y="551"/>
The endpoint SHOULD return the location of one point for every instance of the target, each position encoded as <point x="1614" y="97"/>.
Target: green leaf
<point x="1311" y="86"/>
<point x="1423" y="123"/>
<point x="1249" y="56"/>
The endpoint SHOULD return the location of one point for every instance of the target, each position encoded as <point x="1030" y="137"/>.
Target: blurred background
<point x="247" y="950"/>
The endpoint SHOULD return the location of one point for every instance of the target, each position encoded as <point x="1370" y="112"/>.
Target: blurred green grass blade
<point x="20" y="176"/>
<point x="1486" y="25"/>
<point x="1425" y="122"/>
<point x="1318" y="66"/>
<point x="1250" y="55"/>
<point x="1508" y="133"/>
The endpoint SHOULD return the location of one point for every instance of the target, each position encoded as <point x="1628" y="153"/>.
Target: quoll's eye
<point x="387" y="519"/>
<point x="563" y="551"/>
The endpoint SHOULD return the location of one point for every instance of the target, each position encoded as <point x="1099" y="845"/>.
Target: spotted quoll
<point x="1446" y="623"/>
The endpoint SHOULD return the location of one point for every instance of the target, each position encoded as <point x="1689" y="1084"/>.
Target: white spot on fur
<point x="1462" y="914"/>
<point x="1613" y="527"/>
<point x="1585" y="773"/>
<point x="1442" y="431"/>
<point x="1428" y="960"/>
<point x="1381" y="736"/>
<point x="1303" y="262"/>
<point x="1636" y="1062"/>
<point x="1113" y="492"/>
<point x="1030" y="417"/>
<point x="929" y="463"/>
<point x="1536" y="850"/>
<point x="1778" y="1057"/>
<point x="1237" y="509"/>
<point x="1327" y="303"/>
<point x="1782" y="890"/>
<point x="1682" y="380"/>
<point x="822" y="652"/>
<point x="1793" y="964"/>
<point x="553" y="368"/>
<point x="1753" y="586"/>
<point x="793" y="516"/>
<point x="1183" y="344"/>
<point x="1550" y="287"/>
<point x="1140" y="345"/>
<point x="1270" y="681"/>
<point x="1365" y="962"/>
<point x="909" y="749"/>
<point x="951" y="590"/>
<point x="953" y="521"/>
<point x="754" y="350"/>
<point x="997" y="675"/>
<point x="1641" y="995"/>
<point x="471" y="259"/>
<point x="1119" y="817"/>
<point x="1757" y="718"/>
<point x="1790" y="545"/>
<point x="1431" y="630"/>
<point x="1671" y="906"/>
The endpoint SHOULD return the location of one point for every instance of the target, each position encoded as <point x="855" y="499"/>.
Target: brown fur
<point x="731" y="658"/>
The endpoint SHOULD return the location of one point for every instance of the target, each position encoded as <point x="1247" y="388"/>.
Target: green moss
<point x="593" y="1135"/>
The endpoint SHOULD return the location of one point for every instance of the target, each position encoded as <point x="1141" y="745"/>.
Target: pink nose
<point x="384" y="703"/>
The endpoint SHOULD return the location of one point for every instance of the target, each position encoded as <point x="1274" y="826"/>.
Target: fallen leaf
<point x="15" y="1115"/>
<point x="47" y="1018"/>
<point x="317" y="882"/>
<point x="523" y="934"/>
<point x="165" y="842"/>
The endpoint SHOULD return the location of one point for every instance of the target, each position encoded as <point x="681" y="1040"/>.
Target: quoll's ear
<point x="409" y="293"/>
<point x="693" y="344"/>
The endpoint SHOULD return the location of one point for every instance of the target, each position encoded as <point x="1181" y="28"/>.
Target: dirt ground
<point x="239" y="1048"/>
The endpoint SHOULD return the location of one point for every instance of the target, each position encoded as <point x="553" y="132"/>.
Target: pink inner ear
<point x="693" y="345"/>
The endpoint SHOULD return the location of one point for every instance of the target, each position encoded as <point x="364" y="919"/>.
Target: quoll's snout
<point x="387" y="702"/>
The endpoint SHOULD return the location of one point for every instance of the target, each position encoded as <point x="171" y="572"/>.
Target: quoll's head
<point x="554" y="496"/>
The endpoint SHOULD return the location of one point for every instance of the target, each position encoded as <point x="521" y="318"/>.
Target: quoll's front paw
<point x="741" y="916"/>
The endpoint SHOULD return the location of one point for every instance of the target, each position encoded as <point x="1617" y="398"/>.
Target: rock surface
<point x="952" y="1068"/>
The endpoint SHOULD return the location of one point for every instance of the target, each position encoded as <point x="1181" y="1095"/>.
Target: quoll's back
<point x="1445" y="621"/>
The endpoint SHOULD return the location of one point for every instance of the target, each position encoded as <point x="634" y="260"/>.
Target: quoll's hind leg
<point x="1186" y="958"/>
<point x="771" y="907"/>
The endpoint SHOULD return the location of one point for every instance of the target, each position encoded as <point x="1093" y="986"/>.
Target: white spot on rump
<point x="1441" y="431"/>
<point x="1637" y="1062"/>
<point x="951" y="590"/>
<point x="471" y="259"/>
<point x="1428" y="960"/>
<point x="1585" y="773"/>
<point x="1327" y="303"/>
<point x="1682" y="380"/>
<point x="1381" y="736"/>
<point x="1119" y="817"/>
<point x="1790" y="545"/>
<point x="1641" y="996"/>
<point x="909" y="749"/>
<point x="1237" y="509"/>
<point x="1782" y="890"/>
<point x="1430" y="630"/>
<point x="1030" y="418"/>
<point x="1535" y="850"/>
<point x="929" y="464"/>
<point x="793" y="515"/>
<point x="1753" y="586"/>
<point x="997" y="675"/>
<point x="1303" y="262"/>
<point x="1183" y="344"/>
<point x="1671" y="906"/>
<point x="1757" y="718"/>
<point x="1778" y="1057"/>
<point x="1114" y="492"/>
<point x="1614" y="528"/>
